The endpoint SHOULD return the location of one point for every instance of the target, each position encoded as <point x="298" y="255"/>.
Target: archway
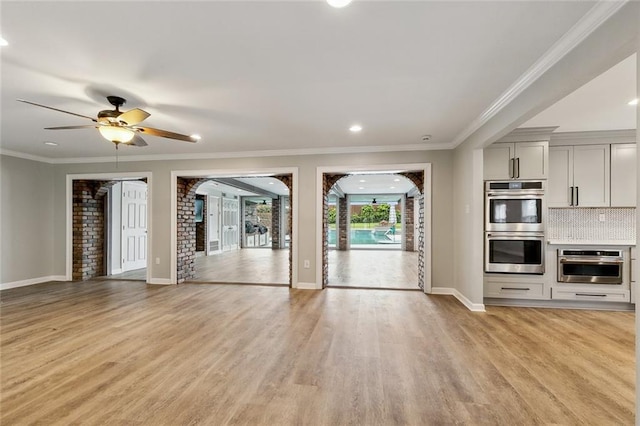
<point x="419" y="175"/>
<point x="187" y="228"/>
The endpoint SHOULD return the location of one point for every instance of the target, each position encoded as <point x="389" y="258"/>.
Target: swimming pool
<point x="366" y="236"/>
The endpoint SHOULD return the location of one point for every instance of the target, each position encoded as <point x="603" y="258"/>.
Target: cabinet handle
<point x="518" y="167"/>
<point x="511" y="168"/>
<point x="571" y="189"/>
<point x="515" y="288"/>
<point x="590" y="294"/>
<point x="577" y="195"/>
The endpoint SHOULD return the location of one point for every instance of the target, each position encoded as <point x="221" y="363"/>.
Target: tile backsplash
<point x="585" y="224"/>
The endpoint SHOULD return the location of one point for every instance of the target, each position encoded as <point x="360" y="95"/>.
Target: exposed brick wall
<point x="275" y="223"/>
<point x="421" y="236"/>
<point x="201" y="227"/>
<point x="408" y="230"/>
<point x="186" y="228"/>
<point x="88" y="230"/>
<point x="288" y="180"/>
<point x="342" y="227"/>
<point x="328" y="180"/>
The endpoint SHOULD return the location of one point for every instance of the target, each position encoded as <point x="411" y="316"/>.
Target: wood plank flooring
<point x="124" y="353"/>
<point x="354" y="268"/>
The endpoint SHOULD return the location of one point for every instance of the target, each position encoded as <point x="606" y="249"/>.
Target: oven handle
<point x="516" y="235"/>
<point x="591" y="261"/>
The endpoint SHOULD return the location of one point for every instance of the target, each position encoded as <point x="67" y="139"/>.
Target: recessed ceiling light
<point x="338" y="3"/>
<point x="396" y="180"/>
<point x="392" y="187"/>
<point x="634" y="102"/>
<point x="50" y="143"/>
<point x="355" y="128"/>
<point x="270" y="183"/>
<point x="196" y="137"/>
<point x="3" y="42"/>
<point x="362" y="180"/>
<point x="361" y="187"/>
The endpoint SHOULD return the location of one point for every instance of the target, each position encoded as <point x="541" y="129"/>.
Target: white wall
<point x="115" y="212"/>
<point x="27" y="221"/>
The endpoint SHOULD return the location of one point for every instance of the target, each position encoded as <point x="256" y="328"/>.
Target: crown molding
<point x="593" y="137"/>
<point x="25" y="156"/>
<point x="595" y="17"/>
<point x="238" y="154"/>
<point x="529" y="134"/>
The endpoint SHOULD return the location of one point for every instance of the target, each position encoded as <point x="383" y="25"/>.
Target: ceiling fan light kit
<point x="120" y="127"/>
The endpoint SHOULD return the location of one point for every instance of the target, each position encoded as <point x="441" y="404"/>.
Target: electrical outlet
<point x="157" y="260"/>
<point x="307" y="264"/>
<point x="602" y="217"/>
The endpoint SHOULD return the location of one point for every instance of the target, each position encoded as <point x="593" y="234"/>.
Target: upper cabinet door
<point x="531" y="160"/>
<point x="498" y="161"/>
<point x="591" y="165"/>
<point x="560" y="176"/>
<point x="623" y="175"/>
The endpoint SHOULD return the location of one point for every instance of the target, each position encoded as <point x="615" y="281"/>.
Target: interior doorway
<point x="385" y="254"/>
<point x="242" y="235"/>
<point x="103" y="239"/>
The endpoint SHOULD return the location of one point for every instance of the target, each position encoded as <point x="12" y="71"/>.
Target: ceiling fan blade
<point x="137" y="141"/>
<point x="56" y="109"/>
<point x="88" y="126"/>
<point x="165" y="134"/>
<point x="133" y="116"/>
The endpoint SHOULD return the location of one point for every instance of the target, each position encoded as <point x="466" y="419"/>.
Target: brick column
<point x="276" y="219"/>
<point x="88" y="230"/>
<point x="421" y="236"/>
<point x="409" y="225"/>
<point x="186" y="228"/>
<point x="343" y="225"/>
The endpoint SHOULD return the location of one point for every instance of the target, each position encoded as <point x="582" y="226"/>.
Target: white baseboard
<point x="307" y="286"/>
<point x="474" y="307"/>
<point x="116" y="271"/>
<point x="160" y="281"/>
<point x="32" y="281"/>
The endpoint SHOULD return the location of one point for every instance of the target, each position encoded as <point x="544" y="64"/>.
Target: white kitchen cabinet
<point x="516" y="287"/>
<point x="623" y="175"/>
<point x="579" y="176"/>
<point x="516" y="160"/>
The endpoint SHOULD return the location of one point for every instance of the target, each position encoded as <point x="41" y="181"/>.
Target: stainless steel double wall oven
<point x="514" y="226"/>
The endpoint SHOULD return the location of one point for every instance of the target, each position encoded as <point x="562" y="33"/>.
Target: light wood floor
<point x="124" y="353"/>
<point x="355" y="268"/>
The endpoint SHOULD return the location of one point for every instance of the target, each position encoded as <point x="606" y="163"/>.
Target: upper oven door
<point x="514" y="213"/>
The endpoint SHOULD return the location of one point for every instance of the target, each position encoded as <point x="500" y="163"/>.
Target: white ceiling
<point x="375" y="184"/>
<point x="601" y="104"/>
<point x="257" y="76"/>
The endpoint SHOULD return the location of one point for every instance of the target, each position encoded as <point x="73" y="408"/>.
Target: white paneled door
<point x="134" y="225"/>
<point x="230" y="222"/>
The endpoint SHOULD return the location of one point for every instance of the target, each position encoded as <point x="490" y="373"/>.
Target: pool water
<point x="364" y="236"/>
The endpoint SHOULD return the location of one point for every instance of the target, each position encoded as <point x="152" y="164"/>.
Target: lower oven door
<point x="589" y="270"/>
<point x="514" y="252"/>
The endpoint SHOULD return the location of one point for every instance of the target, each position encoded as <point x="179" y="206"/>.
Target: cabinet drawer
<point x="510" y="290"/>
<point x="590" y="295"/>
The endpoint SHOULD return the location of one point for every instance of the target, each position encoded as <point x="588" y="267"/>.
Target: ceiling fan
<point x="120" y="127"/>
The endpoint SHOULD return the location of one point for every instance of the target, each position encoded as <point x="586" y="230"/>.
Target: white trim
<point x="427" y="192"/>
<point x="307" y="286"/>
<point x="219" y="173"/>
<point x="32" y="281"/>
<point x="69" y="213"/>
<point x="474" y="307"/>
<point x="159" y="281"/>
<point x="528" y="134"/>
<point x="595" y="17"/>
<point x="234" y="154"/>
